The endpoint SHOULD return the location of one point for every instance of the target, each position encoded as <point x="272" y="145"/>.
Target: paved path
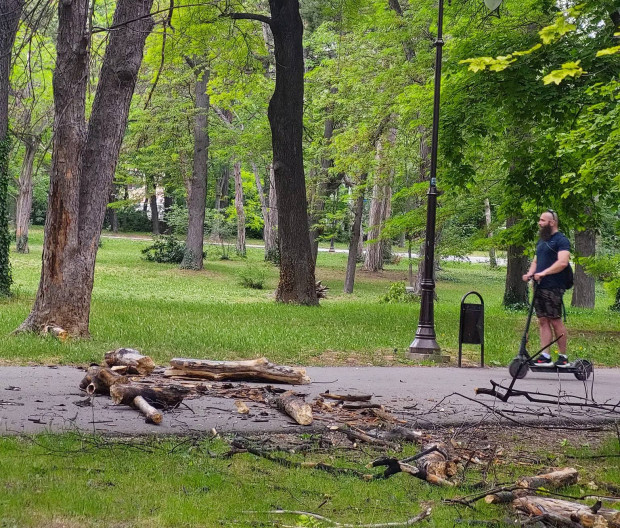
<point x="38" y="399"/>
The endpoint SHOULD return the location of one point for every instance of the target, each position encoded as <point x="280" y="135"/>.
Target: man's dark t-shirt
<point x="546" y="254"/>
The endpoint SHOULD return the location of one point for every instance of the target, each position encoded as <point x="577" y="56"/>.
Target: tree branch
<point x="248" y="16"/>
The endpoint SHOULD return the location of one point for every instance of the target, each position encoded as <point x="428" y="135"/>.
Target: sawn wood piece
<point x="136" y="362"/>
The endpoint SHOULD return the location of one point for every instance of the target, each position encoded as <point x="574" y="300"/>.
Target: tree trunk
<point x="349" y="280"/>
<point x="83" y="164"/>
<point x="154" y="211"/>
<point x="323" y="185"/>
<point x="264" y="205"/>
<point x="239" y="208"/>
<point x="583" y="292"/>
<point x="10" y="12"/>
<point x="24" y="197"/>
<point x="487" y="216"/>
<point x="374" y="254"/>
<point x="297" y="283"/>
<point x="271" y="238"/>
<point x="221" y="190"/>
<point x="197" y="197"/>
<point x="515" y="292"/>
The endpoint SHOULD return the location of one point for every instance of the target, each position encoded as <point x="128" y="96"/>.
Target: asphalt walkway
<point x="40" y="399"/>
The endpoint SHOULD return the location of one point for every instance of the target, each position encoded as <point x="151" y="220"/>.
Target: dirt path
<point x="37" y="399"/>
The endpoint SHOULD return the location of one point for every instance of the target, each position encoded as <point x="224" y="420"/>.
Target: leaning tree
<point x="84" y="157"/>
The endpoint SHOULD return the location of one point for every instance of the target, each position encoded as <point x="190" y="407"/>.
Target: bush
<point x="131" y="220"/>
<point x="397" y="293"/>
<point x="252" y="278"/>
<point x="165" y="249"/>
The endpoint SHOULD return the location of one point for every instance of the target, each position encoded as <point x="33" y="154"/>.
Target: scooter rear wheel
<point x="583" y="369"/>
<point x="518" y="368"/>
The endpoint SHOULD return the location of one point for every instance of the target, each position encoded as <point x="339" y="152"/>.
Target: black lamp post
<point x="425" y="342"/>
<point x="425" y="345"/>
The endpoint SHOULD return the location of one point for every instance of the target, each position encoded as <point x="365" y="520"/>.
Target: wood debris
<point x="135" y="362"/>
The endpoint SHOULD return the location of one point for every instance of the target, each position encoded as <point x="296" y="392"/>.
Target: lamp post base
<point x="426" y="349"/>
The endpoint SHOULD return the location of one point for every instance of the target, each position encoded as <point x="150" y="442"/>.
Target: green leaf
<point x="608" y="51"/>
<point x="559" y="28"/>
<point x="526" y="52"/>
<point x="569" y="69"/>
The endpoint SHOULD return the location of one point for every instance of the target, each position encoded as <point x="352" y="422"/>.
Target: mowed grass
<point x="86" y="481"/>
<point x="166" y="312"/>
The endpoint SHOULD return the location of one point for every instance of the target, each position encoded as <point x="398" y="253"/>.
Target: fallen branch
<point x="130" y="358"/>
<point x="295" y="407"/>
<point x="98" y="380"/>
<point x="568" y="513"/>
<point x="163" y="397"/>
<point x="347" y="397"/>
<point x="255" y="369"/>
<point x="152" y="414"/>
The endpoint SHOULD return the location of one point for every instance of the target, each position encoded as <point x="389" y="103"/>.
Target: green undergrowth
<point x="76" y="480"/>
<point x="166" y="312"/>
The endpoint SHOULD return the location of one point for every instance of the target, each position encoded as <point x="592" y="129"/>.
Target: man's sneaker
<point x="542" y="361"/>
<point x="562" y="361"/>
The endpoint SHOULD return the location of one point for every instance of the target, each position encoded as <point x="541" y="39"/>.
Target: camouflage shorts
<point x="548" y="303"/>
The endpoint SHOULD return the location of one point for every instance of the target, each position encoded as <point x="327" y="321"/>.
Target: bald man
<point x="552" y="256"/>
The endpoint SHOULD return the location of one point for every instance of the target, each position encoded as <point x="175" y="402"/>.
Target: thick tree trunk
<point x="349" y="280"/>
<point x="239" y="208"/>
<point x="297" y="283"/>
<point x="24" y="197"/>
<point x="487" y="216"/>
<point x="83" y="164"/>
<point x="10" y="12"/>
<point x="197" y="197"/>
<point x="583" y="292"/>
<point x="515" y="292"/>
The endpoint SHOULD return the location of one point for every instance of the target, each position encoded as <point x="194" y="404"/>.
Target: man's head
<point x="548" y="224"/>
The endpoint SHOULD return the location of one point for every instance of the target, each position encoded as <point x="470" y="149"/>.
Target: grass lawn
<point x="75" y="481"/>
<point x="166" y="312"/>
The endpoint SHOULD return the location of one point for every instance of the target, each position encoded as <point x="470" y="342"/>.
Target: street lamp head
<point x="492" y="5"/>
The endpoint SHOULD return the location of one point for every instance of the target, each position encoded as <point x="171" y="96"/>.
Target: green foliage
<point x="252" y="277"/>
<point x="165" y="249"/>
<point x="131" y="219"/>
<point x="6" y="278"/>
<point x="397" y="293"/>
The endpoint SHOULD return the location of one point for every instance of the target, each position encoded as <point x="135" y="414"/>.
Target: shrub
<point x="165" y="249"/>
<point x="397" y="293"/>
<point x="252" y="278"/>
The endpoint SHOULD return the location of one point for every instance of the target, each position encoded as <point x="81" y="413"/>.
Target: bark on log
<point x="555" y="479"/>
<point x="162" y="397"/>
<point x="568" y="512"/>
<point x="152" y="414"/>
<point x="98" y="380"/>
<point x="295" y="407"/>
<point x="254" y="369"/>
<point x="136" y="362"/>
<point x="504" y="497"/>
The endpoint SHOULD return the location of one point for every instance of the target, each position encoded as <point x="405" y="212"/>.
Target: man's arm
<point x="530" y="272"/>
<point x="556" y="267"/>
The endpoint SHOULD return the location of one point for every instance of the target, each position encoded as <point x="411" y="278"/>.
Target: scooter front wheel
<point x="518" y="368"/>
<point x="583" y="369"/>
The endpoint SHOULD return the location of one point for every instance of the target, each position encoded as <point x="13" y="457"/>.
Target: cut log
<point x="152" y="414"/>
<point x="98" y="380"/>
<point x="347" y="397"/>
<point x="435" y="467"/>
<point x="504" y="497"/>
<point x="56" y="331"/>
<point x="568" y="512"/>
<point x="162" y="397"/>
<point x="249" y="370"/>
<point x="136" y="362"/>
<point x="555" y="479"/>
<point x="295" y="407"/>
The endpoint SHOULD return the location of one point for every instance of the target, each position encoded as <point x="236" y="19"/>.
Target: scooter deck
<point x="571" y="369"/>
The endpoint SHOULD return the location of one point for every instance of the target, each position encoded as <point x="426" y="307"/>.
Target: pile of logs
<point x="113" y="379"/>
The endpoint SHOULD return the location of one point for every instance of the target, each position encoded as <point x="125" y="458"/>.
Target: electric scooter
<point x="519" y="366"/>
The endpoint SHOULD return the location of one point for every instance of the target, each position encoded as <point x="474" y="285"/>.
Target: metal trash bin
<point x="471" y="326"/>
